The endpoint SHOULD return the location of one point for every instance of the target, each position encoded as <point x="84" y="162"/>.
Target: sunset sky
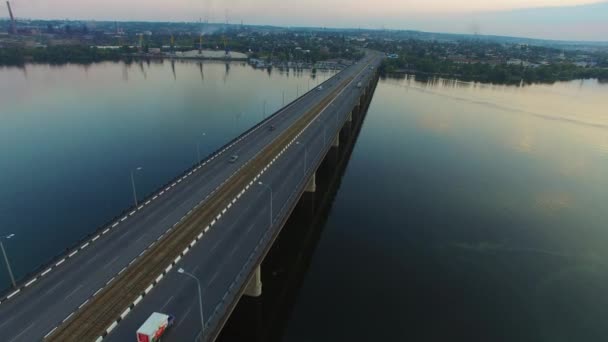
<point x="552" y="19"/>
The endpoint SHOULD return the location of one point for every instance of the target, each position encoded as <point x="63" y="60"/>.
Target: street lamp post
<point x="133" y="184"/>
<point x="200" y="298"/>
<point x="8" y="265"/>
<point x="305" y="154"/>
<point x="198" y="150"/>
<point x="271" y="191"/>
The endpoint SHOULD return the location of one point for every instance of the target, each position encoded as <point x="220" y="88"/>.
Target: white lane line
<point x="114" y="225"/>
<point x="65" y="319"/>
<point x="141" y="237"/>
<point x="23" y="332"/>
<point x="7" y="321"/>
<point x="111" y="262"/>
<point x="74" y="291"/>
<point x="31" y="282"/>
<point x="166" y="303"/>
<point x="50" y="332"/>
<point x="184" y="315"/>
<point x="83" y="304"/>
<point x="213" y="278"/>
<point x="53" y="288"/>
<point x="45" y="272"/>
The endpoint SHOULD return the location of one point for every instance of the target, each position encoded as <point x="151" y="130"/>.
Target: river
<point x="468" y="212"/>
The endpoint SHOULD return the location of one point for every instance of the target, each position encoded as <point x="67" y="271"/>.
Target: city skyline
<point x="582" y="20"/>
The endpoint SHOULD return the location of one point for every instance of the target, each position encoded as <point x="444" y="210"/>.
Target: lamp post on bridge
<point x="200" y="298"/>
<point x="8" y="265"/>
<point x="198" y="150"/>
<point x="271" y="191"/>
<point x="133" y="184"/>
<point x="305" y="154"/>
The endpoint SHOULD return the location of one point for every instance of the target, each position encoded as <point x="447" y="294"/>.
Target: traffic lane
<point x="235" y="253"/>
<point x="286" y="179"/>
<point x="211" y="253"/>
<point x="165" y="295"/>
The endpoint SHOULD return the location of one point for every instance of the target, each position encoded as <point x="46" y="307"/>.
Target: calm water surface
<point x="467" y="213"/>
<point x="70" y="136"/>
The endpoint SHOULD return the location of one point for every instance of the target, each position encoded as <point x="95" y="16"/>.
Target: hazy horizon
<point x="580" y="20"/>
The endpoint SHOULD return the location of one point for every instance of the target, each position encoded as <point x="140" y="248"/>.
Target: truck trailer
<point x="154" y="327"/>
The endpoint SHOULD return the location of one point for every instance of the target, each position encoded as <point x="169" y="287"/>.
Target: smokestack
<point x="12" y="28"/>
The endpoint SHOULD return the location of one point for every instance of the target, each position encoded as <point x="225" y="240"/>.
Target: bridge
<point x="217" y="222"/>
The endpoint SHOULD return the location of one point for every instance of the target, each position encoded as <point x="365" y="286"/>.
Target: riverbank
<point x="498" y="73"/>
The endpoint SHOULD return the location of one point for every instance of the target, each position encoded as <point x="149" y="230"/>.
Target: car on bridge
<point x="233" y="159"/>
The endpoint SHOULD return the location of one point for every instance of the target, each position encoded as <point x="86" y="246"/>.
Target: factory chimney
<point x="12" y="29"/>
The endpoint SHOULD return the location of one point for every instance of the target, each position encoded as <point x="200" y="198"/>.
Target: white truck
<point x="154" y="327"/>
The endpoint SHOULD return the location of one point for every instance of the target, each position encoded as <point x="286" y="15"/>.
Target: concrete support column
<point x="312" y="183"/>
<point x="254" y="288"/>
<point x="336" y="142"/>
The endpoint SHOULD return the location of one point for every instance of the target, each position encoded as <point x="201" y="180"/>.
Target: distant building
<point x="392" y="56"/>
<point x="154" y="51"/>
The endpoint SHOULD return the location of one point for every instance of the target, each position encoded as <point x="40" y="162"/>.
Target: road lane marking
<point x="7" y="321"/>
<point x="22" y="332"/>
<point x="184" y="315"/>
<point x="166" y="303"/>
<point x="71" y="293"/>
<point x="111" y="262"/>
<point x="53" y="288"/>
<point x="141" y="237"/>
<point x="50" y="332"/>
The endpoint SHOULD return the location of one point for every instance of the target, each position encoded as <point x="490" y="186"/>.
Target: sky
<point x="549" y="19"/>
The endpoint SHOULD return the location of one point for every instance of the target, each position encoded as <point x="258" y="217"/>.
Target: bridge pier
<point x="312" y="184"/>
<point x="254" y="287"/>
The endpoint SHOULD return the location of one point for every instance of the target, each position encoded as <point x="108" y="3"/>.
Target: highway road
<point x="36" y="310"/>
<point x="228" y="254"/>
